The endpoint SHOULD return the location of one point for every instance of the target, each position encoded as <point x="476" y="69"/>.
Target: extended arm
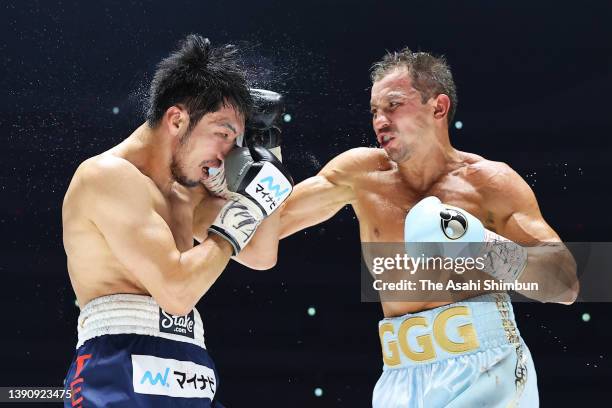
<point x="318" y="198"/>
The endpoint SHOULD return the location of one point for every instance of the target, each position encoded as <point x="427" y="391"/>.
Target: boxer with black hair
<point x="130" y="217"/>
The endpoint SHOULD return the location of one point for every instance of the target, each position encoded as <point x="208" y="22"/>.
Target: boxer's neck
<point x="429" y="159"/>
<point x="151" y="152"/>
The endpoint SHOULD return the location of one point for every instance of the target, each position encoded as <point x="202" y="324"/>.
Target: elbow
<point x="174" y="290"/>
<point x="263" y="263"/>
<point x="174" y="307"/>
<point x="175" y="304"/>
<point x="573" y="288"/>
<point x="258" y="256"/>
<point x="571" y="295"/>
<point x="176" y="299"/>
<point x="177" y="309"/>
<point x="268" y="264"/>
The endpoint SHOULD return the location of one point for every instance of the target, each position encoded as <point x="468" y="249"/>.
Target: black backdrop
<point x="534" y="84"/>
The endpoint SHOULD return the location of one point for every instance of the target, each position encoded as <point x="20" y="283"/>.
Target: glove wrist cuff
<point x="237" y="222"/>
<point x="504" y="259"/>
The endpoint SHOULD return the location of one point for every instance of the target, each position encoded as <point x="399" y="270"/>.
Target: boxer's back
<point x="94" y="271"/>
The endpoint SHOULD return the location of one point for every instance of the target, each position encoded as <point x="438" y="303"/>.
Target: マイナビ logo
<point x="174" y="378"/>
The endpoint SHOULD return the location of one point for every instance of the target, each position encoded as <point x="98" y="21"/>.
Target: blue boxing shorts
<point x="465" y="354"/>
<point x="131" y="353"/>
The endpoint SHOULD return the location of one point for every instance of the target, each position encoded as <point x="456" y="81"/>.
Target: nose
<point x="224" y="151"/>
<point x="216" y="163"/>
<point x="380" y="121"/>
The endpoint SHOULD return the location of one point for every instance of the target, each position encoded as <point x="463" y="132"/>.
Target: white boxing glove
<point x="216" y="183"/>
<point x="257" y="184"/>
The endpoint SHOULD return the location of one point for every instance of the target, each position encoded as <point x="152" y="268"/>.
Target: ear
<point x="442" y="104"/>
<point x="175" y="118"/>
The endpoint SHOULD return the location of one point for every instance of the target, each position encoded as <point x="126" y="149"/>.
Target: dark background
<point x="534" y="83"/>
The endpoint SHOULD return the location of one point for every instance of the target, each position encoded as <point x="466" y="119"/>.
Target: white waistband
<point x="137" y="314"/>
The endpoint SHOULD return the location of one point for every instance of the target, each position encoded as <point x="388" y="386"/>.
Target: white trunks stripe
<point x="137" y="314"/>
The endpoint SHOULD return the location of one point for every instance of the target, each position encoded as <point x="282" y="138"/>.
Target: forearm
<point x="261" y="252"/>
<point x="204" y="214"/>
<point x="548" y="264"/>
<point x="313" y="201"/>
<point x="196" y="271"/>
<point x="293" y="219"/>
<point x="553" y="268"/>
<point x="548" y="269"/>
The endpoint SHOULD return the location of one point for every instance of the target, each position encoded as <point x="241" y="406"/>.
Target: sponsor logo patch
<point x="173" y="378"/>
<point x="181" y="325"/>
<point x="270" y="188"/>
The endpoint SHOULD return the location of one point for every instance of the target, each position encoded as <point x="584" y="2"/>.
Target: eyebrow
<point x="230" y="127"/>
<point x="390" y="95"/>
<point x="395" y="94"/>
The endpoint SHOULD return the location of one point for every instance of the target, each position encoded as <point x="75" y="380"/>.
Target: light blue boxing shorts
<point x="466" y="354"/>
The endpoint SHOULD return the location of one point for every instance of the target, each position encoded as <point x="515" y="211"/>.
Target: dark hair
<point x="200" y="77"/>
<point x="430" y="75"/>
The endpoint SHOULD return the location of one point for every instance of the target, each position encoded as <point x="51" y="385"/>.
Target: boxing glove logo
<point x="454" y="224"/>
<point x="270" y="188"/>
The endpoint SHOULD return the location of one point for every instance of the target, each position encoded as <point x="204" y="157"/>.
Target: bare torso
<point x="94" y="270"/>
<point x="383" y="198"/>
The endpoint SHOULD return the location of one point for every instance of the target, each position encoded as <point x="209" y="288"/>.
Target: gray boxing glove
<point x="262" y="129"/>
<point x="257" y="184"/>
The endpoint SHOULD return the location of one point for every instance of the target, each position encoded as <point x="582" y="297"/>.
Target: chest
<point x="177" y="211"/>
<point x="384" y="199"/>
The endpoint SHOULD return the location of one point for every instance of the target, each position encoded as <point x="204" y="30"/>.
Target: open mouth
<point x="385" y="140"/>
<point x="205" y="173"/>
